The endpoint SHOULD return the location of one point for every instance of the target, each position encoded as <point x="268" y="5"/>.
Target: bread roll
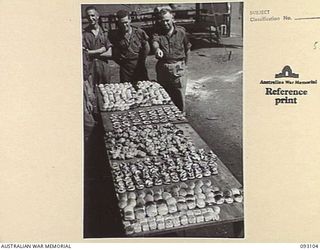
<point x="172" y="208"/>
<point x="182" y="206"/>
<point x="149" y="198"/>
<point x="129" y="230"/>
<point x="190" y="191"/>
<point x="181" y="199"/>
<point x="171" y="201"/>
<point x="200" y="218"/>
<point x="152" y="225"/>
<point x="216" y="209"/>
<point x="163" y="209"/>
<point x="191" y="204"/>
<point x="201" y="203"/>
<point x="129" y="215"/>
<point x="151" y="210"/>
<point x="210" y="200"/>
<point x="201" y="196"/>
<point x="208" y="216"/>
<point x="207" y="183"/>
<point x="192" y="219"/>
<point x="139" y="213"/>
<point x="145" y="226"/>
<point x="132" y="195"/>
<point x="182" y="192"/>
<point x="184" y="185"/>
<point x="161" y="225"/>
<point x="137" y="227"/>
<point x="190" y="197"/>
<point x="184" y="220"/>
<point x="166" y="195"/>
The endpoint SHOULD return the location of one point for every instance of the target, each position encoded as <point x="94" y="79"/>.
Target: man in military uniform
<point x="130" y="49"/>
<point x="171" y="48"/>
<point x="96" y="48"/>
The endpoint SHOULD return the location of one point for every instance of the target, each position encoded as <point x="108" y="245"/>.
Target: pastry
<point x="182" y="192"/>
<point x="190" y="191"/>
<point x="190" y="197"/>
<point x="210" y="200"/>
<point x="184" y="185"/>
<point x="132" y="202"/>
<point x="176" y="222"/>
<point x="140" y="213"/>
<point x="129" y="215"/>
<point x="151" y="209"/>
<point x="132" y="195"/>
<point x="219" y="199"/>
<point x="141" y="201"/>
<point x="197" y="190"/>
<point x="168" y="223"/>
<point x="145" y="226"/>
<point x="208" y="216"/>
<point x="201" y="203"/>
<point x="192" y="185"/>
<point x="200" y="218"/>
<point x="152" y="225"/>
<point x="171" y="201"/>
<point x="172" y="208"/>
<point x="192" y="219"/>
<point x="228" y="197"/>
<point x="182" y="206"/>
<point x="184" y="220"/>
<point x="157" y="196"/>
<point x="216" y="217"/>
<point x="149" y="198"/>
<point x="163" y="209"/>
<point x="216" y="209"/>
<point x="161" y="225"/>
<point x="191" y="204"/>
<point x="166" y="195"/>
<point x="137" y="227"/>
<point x="181" y="199"/>
<point x="129" y="229"/>
<point x="201" y="196"/>
<point x="122" y="204"/>
<point x="196" y="212"/>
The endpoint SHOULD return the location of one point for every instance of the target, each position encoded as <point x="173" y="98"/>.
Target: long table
<point x="230" y="213"/>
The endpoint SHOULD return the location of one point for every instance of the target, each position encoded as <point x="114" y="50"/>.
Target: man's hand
<point x="159" y="53"/>
<point x="89" y="107"/>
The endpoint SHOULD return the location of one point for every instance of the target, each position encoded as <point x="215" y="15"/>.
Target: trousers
<point x="173" y="78"/>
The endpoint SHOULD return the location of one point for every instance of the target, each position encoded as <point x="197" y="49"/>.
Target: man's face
<point x="124" y="24"/>
<point x="93" y="17"/>
<point x="166" y="21"/>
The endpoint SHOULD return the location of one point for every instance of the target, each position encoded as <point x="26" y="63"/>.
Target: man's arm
<point x="96" y="51"/>
<point x="156" y="48"/>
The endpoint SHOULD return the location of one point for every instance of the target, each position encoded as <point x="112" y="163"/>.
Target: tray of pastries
<point x="174" y="206"/>
<point x="124" y="96"/>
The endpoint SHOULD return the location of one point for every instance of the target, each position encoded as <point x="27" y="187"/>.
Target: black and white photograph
<point x="163" y="120"/>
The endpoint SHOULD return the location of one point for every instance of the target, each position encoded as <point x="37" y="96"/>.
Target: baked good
<point x="129" y="215"/>
<point x="149" y="198"/>
<point x="151" y="209"/>
<point x="129" y="229"/>
<point x="184" y="220"/>
<point x="201" y="203"/>
<point x="208" y="216"/>
<point x="190" y="197"/>
<point x="192" y="185"/>
<point x="171" y="201"/>
<point x="175" y="188"/>
<point x="190" y="191"/>
<point x="192" y="219"/>
<point x="235" y="191"/>
<point x="207" y="183"/>
<point x="201" y="196"/>
<point x="176" y="222"/>
<point x="168" y="223"/>
<point x="141" y="193"/>
<point x="184" y="185"/>
<point x="132" y="202"/>
<point x="210" y="200"/>
<point x="216" y="209"/>
<point x="140" y="213"/>
<point x="145" y="226"/>
<point x="140" y="201"/>
<point x="199" y="183"/>
<point x="166" y="195"/>
<point x="182" y="206"/>
<point x="161" y="225"/>
<point x="216" y="217"/>
<point x="204" y="210"/>
<point x="191" y="204"/>
<point x="200" y="218"/>
<point x="209" y="194"/>
<point x="172" y="208"/>
<point x="163" y="209"/>
<point x="196" y="212"/>
<point x="137" y="227"/>
<point x="152" y="225"/>
<point x="228" y="197"/>
<point x="219" y="199"/>
<point x="197" y="190"/>
<point x="182" y="192"/>
<point x="132" y="195"/>
<point x="181" y="199"/>
<point x="122" y="204"/>
<point x="157" y="196"/>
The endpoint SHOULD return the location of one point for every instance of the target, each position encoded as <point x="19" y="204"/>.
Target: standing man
<point x="96" y="48"/>
<point x="130" y="49"/>
<point x="171" y="48"/>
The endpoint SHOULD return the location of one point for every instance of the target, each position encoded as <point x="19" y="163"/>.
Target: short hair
<point x="122" y="14"/>
<point x="164" y="11"/>
<point x="91" y="7"/>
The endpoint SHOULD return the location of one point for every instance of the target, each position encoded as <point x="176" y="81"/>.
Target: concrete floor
<point x="214" y="109"/>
